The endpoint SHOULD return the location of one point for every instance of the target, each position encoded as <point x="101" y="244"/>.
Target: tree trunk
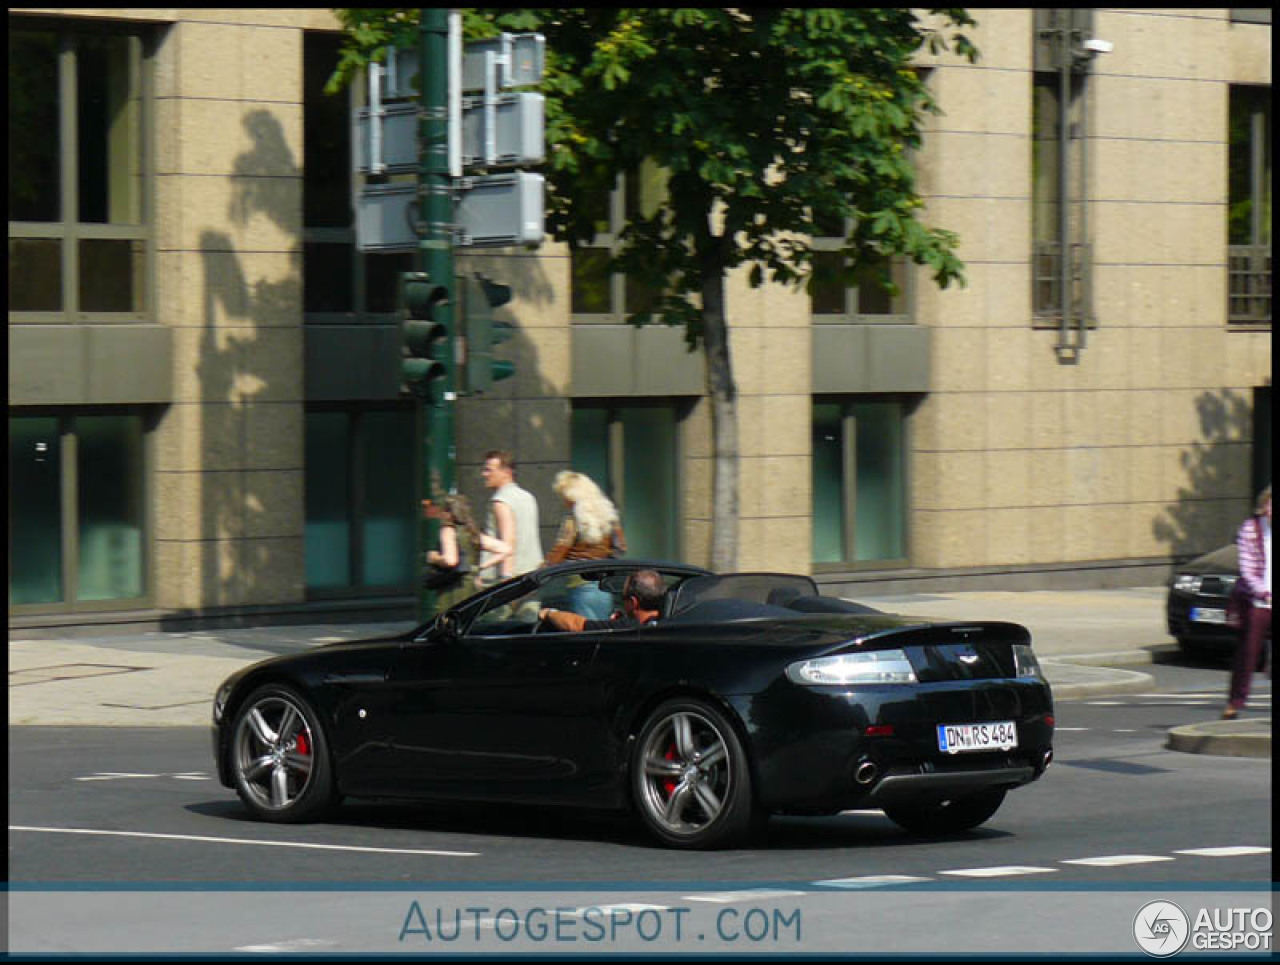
<point x="724" y="422"/>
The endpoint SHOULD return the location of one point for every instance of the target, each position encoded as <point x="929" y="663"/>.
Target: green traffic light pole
<point x="435" y="257"/>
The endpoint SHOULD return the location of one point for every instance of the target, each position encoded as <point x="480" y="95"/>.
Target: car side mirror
<point x="446" y="628"/>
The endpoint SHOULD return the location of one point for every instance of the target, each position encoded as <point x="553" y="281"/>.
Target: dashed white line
<point x="870" y="881"/>
<point x="1225" y="852"/>
<point x="1117" y="860"/>
<point x="289" y="945"/>
<point x="749" y="894"/>
<point x="265" y="844"/>
<point x="999" y="872"/>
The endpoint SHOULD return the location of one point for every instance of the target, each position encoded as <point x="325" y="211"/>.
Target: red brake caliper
<point x="669" y="785"/>
<point x="303" y="746"/>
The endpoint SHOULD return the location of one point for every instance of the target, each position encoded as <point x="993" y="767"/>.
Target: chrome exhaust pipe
<point x="1046" y="760"/>
<point x="867" y="772"/>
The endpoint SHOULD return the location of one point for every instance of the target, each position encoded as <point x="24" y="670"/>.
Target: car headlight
<point x="1187" y="583"/>
<point x="870" y="667"/>
<point x="1025" y="662"/>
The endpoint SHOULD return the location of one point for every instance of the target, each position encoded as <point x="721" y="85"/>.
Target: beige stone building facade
<point x="205" y="421"/>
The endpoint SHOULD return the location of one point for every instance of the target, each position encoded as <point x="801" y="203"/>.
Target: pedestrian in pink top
<point x="1254" y="545"/>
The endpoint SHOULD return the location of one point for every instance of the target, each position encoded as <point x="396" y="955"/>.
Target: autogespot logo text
<point x="1161" y="928"/>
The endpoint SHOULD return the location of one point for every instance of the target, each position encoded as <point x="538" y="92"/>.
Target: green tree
<point x="765" y="123"/>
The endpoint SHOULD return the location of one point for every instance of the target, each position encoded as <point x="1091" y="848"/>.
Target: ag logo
<point x="1161" y="928"/>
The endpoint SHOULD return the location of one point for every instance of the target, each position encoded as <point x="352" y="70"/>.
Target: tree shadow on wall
<point x="1216" y="498"/>
<point x="249" y="359"/>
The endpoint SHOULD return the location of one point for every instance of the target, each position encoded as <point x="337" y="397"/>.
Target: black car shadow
<point x="848" y="830"/>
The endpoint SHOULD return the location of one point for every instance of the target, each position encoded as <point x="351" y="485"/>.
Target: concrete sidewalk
<point x="1090" y="643"/>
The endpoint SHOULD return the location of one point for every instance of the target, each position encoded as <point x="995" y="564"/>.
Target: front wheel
<point x="280" y="758"/>
<point x="947" y="817"/>
<point x="689" y="776"/>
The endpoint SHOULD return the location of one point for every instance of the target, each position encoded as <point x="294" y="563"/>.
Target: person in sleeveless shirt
<point x="512" y="518"/>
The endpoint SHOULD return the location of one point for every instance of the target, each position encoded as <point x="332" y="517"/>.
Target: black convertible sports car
<point x="752" y="695"/>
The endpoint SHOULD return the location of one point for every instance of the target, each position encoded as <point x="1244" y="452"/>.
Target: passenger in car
<point x="591" y="530"/>
<point x="642" y="597"/>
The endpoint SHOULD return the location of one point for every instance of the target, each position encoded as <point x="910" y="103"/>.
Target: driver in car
<point x="642" y="596"/>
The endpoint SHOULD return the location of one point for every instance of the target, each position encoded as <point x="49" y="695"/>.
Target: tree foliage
<point x="767" y="125"/>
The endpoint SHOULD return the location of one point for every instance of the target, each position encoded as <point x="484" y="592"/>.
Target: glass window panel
<point x="387" y="521"/>
<point x="645" y="190"/>
<point x="35" y="275"/>
<point x="827" y="287"/>
<point x="111" y="275"/>
<point x="597" y="207"/>
<point x="649" y="486"/>
<point x="382" y="281"/>
<point x="1249" y="189"/>
<point x="1045" y="159"/>
<point x="592" y="281"/>
<point x="328" y="527"/>
<point x="828" y="484"/>
<point x="590" y="444"/>
<point x="879" y="518"/>
<point x="828" y="225"/>
<point x="109" y="487"/>
<point x="34" y="162"/>
<point x="35" y="511"/>
<point x="108" y="126"/>
<point x="874" y="299"/>
<point x="328" y="283"/>
<point x="326" y="185"/>
<point x="641" y="297"/>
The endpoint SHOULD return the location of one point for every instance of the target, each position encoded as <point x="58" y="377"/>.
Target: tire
<point x="280" y="757"/>
<point x="690" y="780"/>
<point x="948" y="816"/>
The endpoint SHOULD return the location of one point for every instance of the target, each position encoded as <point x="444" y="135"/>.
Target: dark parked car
<point x="1197" y="603"/>
<point x="754" y="694"/>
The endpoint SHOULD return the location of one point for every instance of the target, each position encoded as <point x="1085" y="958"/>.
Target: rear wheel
<point x="947" y="816"/>
<point x="280" y="758"/>
<point x="689" y="776"/>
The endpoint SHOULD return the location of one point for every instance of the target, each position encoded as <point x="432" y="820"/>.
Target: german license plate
<point x="1208" y="614"/>
<point x="958" y="738"/>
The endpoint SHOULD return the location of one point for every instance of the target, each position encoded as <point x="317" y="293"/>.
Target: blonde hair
<point x="1264" y="498"/>
<point x="593" y="511"/>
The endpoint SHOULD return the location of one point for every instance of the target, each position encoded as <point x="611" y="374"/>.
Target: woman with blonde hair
<point x="591" y="530"/>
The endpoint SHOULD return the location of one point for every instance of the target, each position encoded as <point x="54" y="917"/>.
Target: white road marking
<point x="869" y="881"/>
<point x="749" y="894"/>
<point x="267" y="844"/>
<point x="1225" y="852"/>
<point x="1061" y="729"/>
<point x="998" y="872"/>
<point x="1116" y="860"/>
<point x="290" y="945"/>
<point x="1106" y="703"/>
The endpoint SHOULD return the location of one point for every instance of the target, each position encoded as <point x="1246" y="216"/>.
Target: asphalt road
<point x="114" y="807"/>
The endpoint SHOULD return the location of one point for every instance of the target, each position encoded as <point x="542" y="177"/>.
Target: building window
<point x="859" y="481"/>
<point x="1058" y="211"/>
<point x="632" y="451"/>
<point x="76" y="510"/>
<point x="601" y="295"/>
<point x="360" y="524"/>
<point x="1249" y="205"/>
<point x="1251" y="15"/>
<point x="838" y="296"/>
<point x="339" y="283"/>
<point x="78" y="206"/>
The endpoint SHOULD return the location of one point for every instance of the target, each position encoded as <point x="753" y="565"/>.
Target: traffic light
<point x="427" y="336"/>
<point x="483" y="333"/>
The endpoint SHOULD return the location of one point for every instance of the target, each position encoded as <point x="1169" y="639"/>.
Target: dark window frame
<point x="356" y="503"/>
<point x="70" y="232"/>
<point x="907" y="405"/>
<point x="69" y="482"/>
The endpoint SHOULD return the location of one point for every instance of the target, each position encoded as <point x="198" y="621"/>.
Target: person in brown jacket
<point x="591" y="530"/>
